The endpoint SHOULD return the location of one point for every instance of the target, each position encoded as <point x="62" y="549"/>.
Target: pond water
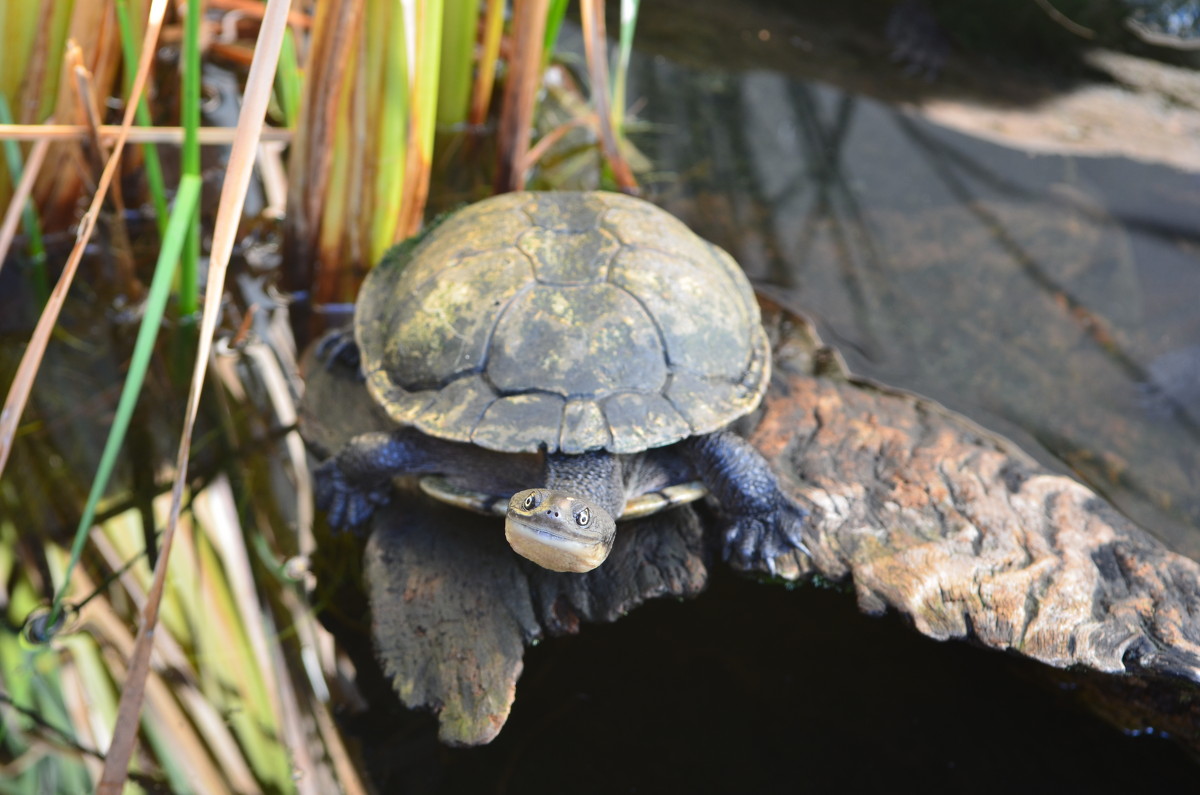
<point x="1052" y="298"/>
<point x="755" y="689"/>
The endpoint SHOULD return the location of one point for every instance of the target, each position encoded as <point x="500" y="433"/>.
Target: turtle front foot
<point x="755" y="540"/>
<point x="338" y="349"/>
<point x="347" y="503"/>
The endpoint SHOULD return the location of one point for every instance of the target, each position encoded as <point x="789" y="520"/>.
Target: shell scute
<point x="672" y="289"/>
<point x="519" y="423"/>
<point x="584" y="427"/>
<point x="583" y="341"/>
<point x="457" y="313"/>
<point x="640" y="421"/>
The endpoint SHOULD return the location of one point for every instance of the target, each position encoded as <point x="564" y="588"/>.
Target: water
<point x="753" y="689"/>
<point x="1051" y="298"/>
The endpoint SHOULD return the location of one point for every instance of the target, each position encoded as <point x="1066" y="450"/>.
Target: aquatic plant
<point x="201" y="545"/>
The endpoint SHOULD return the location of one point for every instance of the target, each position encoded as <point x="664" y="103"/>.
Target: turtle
<point x="568" y="354"/>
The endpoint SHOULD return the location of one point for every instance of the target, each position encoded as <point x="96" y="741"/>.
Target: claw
<point x="759" y="540"/>
<point x="338" y="348"/>
<point x="347" y="505"/>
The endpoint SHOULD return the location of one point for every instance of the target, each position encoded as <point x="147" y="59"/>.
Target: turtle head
<point x="558" y="530"/>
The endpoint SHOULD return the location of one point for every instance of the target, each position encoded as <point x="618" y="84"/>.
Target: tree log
<point x="923" y="511"/>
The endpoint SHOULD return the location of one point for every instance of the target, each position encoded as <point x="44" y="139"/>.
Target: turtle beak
<point x="558" y="530"/>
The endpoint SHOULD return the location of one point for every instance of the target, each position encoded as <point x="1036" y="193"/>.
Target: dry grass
<point x="229" y="681"/>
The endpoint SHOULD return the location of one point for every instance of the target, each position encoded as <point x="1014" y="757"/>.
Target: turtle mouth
<point x="539" y="532"/>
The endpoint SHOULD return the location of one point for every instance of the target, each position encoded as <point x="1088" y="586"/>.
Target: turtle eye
<point x="583" y="517"/>
<point x="530" y="501"/>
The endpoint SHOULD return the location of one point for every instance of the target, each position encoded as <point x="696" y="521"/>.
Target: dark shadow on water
<point x="751" y="688"/>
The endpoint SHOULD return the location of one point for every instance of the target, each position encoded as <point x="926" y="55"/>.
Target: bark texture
<point x="931" y="516"/>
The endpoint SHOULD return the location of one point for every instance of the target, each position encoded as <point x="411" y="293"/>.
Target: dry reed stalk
<point x="360" y="206"/>
<point x="595" y="44"/>
<point x="170" y="657"/>
<point x="213" y="136"/>
<point x="85" y="96"/>
<point x="216" y="509"/>
<point x="336" y="242"/>
<point x="485" y="79"/>
<point x="163" y="709"/>
<point x="280" y="394"/>
<point x="102" y="622"/>
<point x="343" y="765"/>
<point x="520" y="90"/>
<point x="255" y="10"/>
<point x="337" y="29"/>
<point x="94" y="30"/>
<point x="12" y="216"/>
<point x="32" y="98"/>
<point x="79" y="702"/>
<point x="229" y="209"/>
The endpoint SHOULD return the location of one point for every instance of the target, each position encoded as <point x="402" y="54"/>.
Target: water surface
<point x="1052" y="298"/>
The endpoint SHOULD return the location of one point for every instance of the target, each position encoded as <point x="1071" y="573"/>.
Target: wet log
<point x="933" y="517"/>
<point x="453" y="607"/>
<point x="924" y="512"/>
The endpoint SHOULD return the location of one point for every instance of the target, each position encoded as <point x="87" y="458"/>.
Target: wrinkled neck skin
<point x="569" y="524"/>
<point x="597" y="476"/>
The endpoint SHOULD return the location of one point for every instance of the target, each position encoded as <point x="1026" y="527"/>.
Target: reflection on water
<point x="1045" y="296"/>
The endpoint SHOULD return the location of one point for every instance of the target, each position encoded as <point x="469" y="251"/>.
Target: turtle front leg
<point x="357" y="479"/>
<point x="338" y="349"/>
<point x="765" y="523"/>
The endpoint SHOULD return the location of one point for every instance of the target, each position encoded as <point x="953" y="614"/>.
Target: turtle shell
<point x="565" y="322"/>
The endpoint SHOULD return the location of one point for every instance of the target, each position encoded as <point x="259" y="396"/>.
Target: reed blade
<point x="233" y="194"/>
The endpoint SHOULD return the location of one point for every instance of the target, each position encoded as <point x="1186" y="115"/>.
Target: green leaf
<point x="186" y="201"/>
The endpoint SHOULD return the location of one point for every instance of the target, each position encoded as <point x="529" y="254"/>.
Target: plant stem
<point x="629" y="14"/>
<point x="458" y="54"/>
<point x="29" y="219"/>
<point x="186" y="202"/>
<point x="154" y="176"/>
<point x="189" y="283"/>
